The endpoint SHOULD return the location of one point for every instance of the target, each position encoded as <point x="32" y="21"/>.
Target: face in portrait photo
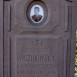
<point x="37" y="13"/>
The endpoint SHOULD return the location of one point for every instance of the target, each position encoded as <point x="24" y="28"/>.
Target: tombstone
<point x="37" y="38"/>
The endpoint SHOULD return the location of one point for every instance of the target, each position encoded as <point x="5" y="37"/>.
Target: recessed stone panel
<point x="36" y="56"/>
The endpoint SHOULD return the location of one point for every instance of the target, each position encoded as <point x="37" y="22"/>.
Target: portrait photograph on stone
<point x="38" y="38"/>
<point x="37" y="13"/>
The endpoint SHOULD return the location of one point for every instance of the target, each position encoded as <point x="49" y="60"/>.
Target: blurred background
<point x="76" y="55"/>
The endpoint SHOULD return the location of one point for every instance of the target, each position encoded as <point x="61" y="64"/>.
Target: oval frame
<point x="40" y="3"/>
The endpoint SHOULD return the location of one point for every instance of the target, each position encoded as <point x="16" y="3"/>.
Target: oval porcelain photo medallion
<point x="36" y="13"/>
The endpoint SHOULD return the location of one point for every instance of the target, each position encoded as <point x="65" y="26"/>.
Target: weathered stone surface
<point x="43" y="50"/>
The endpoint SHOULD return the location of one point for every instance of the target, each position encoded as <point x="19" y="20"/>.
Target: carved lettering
<point x="36" y="58"/>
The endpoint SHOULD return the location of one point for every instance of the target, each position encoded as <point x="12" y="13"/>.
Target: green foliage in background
<point x="76" y="58"/>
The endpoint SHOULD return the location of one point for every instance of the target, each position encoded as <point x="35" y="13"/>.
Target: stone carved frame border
<point x="1" y="38"/>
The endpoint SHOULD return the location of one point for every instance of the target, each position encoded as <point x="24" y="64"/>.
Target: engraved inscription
<point x="36" y="57"/>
